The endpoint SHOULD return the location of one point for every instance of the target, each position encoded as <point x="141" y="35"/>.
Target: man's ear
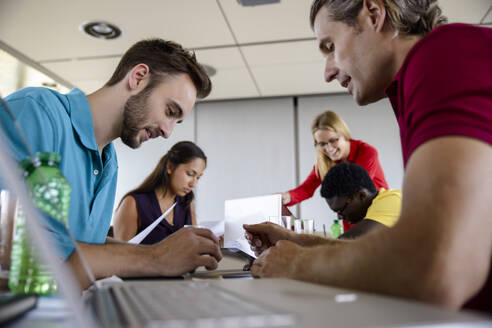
<point x="138" y="77"/>
<point x="362" y="194"/>
<point x="374" y="14"/>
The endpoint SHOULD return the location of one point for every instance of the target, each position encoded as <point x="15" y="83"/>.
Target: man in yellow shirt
<point x="350" y="192"/>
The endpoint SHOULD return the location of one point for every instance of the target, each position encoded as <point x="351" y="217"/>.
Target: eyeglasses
<point x="340" y="211"/>
<point x="332" y="142"/>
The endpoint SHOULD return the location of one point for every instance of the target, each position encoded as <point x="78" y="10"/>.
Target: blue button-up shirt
<point x="58" y="123"/>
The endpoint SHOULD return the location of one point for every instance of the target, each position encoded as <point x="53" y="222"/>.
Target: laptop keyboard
<point x="182" y="305"/>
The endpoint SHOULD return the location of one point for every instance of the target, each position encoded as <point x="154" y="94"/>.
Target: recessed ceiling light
<point x="101" y="30"/>
<point x="211" y="71"/>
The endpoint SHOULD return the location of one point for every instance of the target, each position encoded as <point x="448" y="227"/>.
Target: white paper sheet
<point x="250" y="210"/>
<point x="217" y="227"/>
<point x="141" y="236"/>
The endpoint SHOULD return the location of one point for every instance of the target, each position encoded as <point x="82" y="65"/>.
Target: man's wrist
<point x="292" y="236"/>
<point x="303" y="264"/>
<point x="305" y="240"/>
<point x="145" y="260"/>
<point x="311" y="264"/>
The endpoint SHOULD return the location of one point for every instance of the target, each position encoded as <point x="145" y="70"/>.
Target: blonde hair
<point x="416" y="17"/>
<point x="331" y="121"/>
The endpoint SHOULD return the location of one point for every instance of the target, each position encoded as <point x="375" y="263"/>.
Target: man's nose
<point x="167" y="128"/>
<point x="330" y="70"/>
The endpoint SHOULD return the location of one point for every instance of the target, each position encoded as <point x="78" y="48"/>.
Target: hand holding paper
<point x="251" y="210"/>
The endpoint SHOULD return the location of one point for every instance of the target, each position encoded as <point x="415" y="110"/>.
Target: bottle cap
<point x="28" y="165"/>
<point x="47" y="158"/>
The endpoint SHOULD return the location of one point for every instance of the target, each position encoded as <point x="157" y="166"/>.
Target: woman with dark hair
<point x="172" y="180"/>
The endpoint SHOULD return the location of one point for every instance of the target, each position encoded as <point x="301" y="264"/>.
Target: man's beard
<point x="134" y="115"/>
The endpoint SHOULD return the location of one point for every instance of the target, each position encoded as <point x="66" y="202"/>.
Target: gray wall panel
<point x="250" y="150"/>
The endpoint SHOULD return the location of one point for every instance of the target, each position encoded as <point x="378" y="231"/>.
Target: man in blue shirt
<point x="153" y="88"/>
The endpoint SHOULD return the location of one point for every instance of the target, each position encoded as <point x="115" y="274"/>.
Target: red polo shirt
<point x="444" y="88"/>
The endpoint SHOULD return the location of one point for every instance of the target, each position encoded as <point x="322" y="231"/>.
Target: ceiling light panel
<point x="487" y="19"/>
<point x="88" y="69"/>
<point x="286" y="20"/>
<point x="291" y="68"/>
<point x="232" y="79"/>
<point x="39" y="30"/>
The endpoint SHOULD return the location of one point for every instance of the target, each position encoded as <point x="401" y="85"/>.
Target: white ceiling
<point x="259" y="51"/>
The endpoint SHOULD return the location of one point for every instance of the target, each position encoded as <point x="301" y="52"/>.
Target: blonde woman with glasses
<point x="333" y="145"/>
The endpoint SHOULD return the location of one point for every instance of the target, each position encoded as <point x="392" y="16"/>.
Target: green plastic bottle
<point x="336" y="229"/>
<point x="50" y="192"/>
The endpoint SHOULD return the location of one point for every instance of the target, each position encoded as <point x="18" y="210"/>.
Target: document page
<point x="141" y="236"/>
<point x="250" y="210"/>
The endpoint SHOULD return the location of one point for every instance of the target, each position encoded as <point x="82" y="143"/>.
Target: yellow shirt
<point x="385" y="207"/>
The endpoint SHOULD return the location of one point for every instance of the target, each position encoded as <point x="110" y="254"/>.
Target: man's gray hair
<point x="407" y="17"/>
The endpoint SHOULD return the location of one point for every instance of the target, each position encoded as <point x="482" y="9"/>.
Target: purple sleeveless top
<point x="148" y="210"/>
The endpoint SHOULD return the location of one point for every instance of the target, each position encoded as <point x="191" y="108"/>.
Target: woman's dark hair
<point x="181" y="153"/>
<point x="345" y="180"/>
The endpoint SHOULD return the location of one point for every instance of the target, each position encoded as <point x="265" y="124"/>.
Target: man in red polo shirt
<point x="438" y="79"/>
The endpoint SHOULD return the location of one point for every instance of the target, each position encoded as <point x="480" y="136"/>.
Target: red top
<point x="362" y="154"/>
<point x="444" y="88"/>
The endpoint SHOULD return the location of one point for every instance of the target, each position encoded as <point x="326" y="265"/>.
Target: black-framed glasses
<point x="332" y="142"/>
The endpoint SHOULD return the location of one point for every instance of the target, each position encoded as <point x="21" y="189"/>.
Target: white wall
<point x="251" y="149"/>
